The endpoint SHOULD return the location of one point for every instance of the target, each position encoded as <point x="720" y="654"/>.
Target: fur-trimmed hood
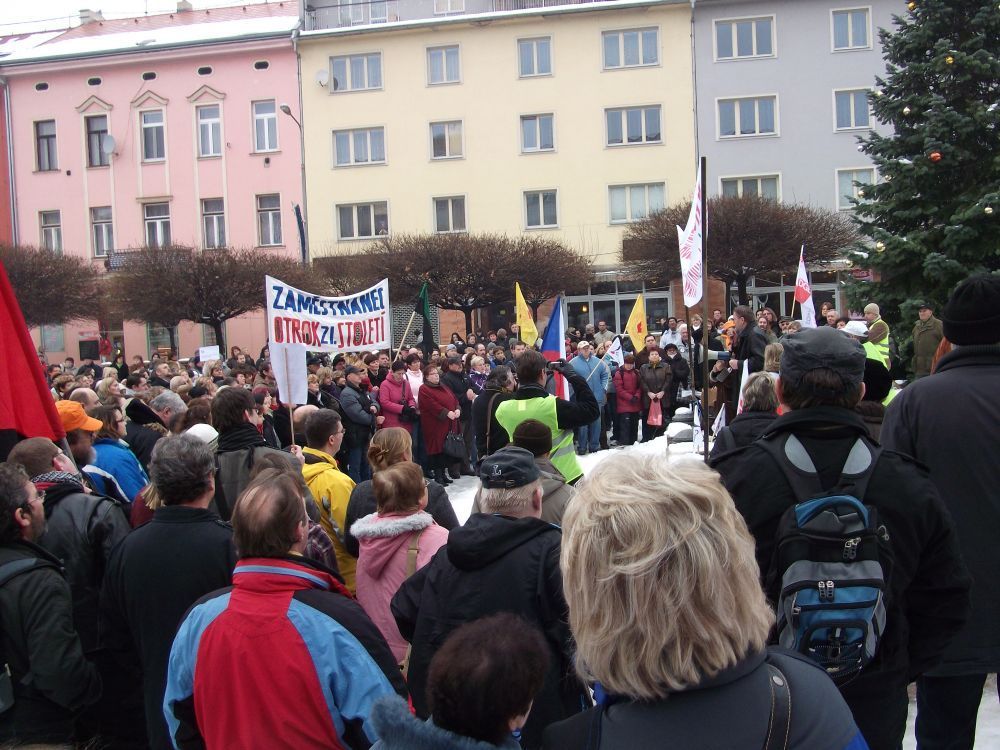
<point x="380" y="536"/>
<point x="398" y="729"/>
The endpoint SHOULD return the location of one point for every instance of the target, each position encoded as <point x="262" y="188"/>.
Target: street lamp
<point x="302" y="222"/>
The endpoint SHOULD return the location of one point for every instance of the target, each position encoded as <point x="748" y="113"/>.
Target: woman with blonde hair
<point x="760" y="409"/>
<point x="772" y="358"/>
<point x="669" y="618"/>
<point x="390" y="446"/>
<point x="109" y="392"/>
<point x="395" y="542"/>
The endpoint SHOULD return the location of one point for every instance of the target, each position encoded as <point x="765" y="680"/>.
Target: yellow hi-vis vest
<point x="878" y="352"/>
<point x="514" y="411"/>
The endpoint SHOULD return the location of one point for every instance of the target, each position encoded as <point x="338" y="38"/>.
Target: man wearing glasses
<point x="44" y="679"/>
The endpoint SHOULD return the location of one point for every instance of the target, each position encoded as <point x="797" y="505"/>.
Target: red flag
<point x="26" y="404"/>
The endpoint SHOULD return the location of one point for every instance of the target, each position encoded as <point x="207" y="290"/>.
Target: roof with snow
<point x="162" y="31"/>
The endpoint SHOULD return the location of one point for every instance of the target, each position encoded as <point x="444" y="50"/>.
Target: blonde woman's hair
<point x="109" y="372"/>
<point x="323" y="373"/>
<point x="772" y="357"/>
<point x="389" y="446"/>
<point x="660" y="577"/>
<point x="104" y="389"/>
<point x="206" y="370"/>
<point x="310" y="379"/>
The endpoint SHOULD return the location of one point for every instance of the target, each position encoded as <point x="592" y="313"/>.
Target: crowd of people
<point x="201" y="565"/>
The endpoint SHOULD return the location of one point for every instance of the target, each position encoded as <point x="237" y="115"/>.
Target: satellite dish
<point x="108" y="144"/>
<point x="322" y="76"/>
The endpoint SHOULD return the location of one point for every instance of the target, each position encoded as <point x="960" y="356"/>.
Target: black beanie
<point x="533" y="436"/>
<point x="972" y="314"/>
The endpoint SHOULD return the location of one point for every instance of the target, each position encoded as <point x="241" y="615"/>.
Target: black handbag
<point x="454" y="446"/>
<point x="409" y="414"/>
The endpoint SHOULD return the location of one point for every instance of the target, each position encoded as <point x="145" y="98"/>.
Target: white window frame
<point x="161" y="126"/>
<point x="538" y="132"/>
<point x="533" y="41"/>
<point x="261" y="120"/>
<point x="103" y="159"/>
<point x="52" y="338"/>
<point x="49" y="231"/>
<point x="447" y="139"/>
<point x="355" y="12"/>
<point x="836" y="183"/>
<point x="272" y="214"/>
<point x="850" y="33"/>
<point x="736" y="56"/>
<point x="213" y="224"/>
<point x="351" y="133"/>
<point x="349" y="74"/>
<point x="737" y="99"/>
<point x="447" y="7"/>
<point x="382" y="6"/>
<point x="628" y="188"/>
<point x="372" y="206"/>
<point x="541" y="208"/>
<point x="214" y="130"/>
<point x="623" y="115"/>
<point x="852" y="127"/>
<point x="451" y="214"/>
<point x="158" y="224"/>
<point x="739" y="178"/>
<point x="443" y="50"/>
<point x="620" y="33"/>
<point x="102" y="232"/>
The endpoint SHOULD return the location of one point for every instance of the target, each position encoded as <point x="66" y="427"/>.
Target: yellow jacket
<point x="331" y="488"/>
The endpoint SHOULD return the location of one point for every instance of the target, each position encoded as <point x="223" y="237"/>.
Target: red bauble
<point x="935" y="156"/>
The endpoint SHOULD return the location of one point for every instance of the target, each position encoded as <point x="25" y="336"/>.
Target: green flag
<point x="422" y="307"/>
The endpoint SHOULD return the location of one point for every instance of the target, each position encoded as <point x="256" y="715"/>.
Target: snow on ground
<point x="463" y="492"/>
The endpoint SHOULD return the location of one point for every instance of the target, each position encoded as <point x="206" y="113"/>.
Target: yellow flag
<point x="528" y="332"/>
<point x="636" y="328"/>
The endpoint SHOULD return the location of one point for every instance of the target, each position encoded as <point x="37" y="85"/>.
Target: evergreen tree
<point x="933" y="217"/>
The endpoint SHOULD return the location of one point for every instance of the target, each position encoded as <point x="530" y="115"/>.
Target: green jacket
<point x="927" y="336"/>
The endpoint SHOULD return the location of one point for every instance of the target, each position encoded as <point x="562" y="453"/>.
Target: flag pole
<point x="406" y="332"/>
<point x="291" y="406"/>
<point x="704" y="305"/>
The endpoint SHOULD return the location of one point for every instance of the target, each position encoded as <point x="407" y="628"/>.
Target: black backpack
<point x="831" y="561"/>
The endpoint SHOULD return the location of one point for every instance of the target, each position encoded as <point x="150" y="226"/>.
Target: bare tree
<point x="149" y="284"/>
<point x="545" y="268"/>
<point x="747" y="235"/>
<point x="51" y="288"/>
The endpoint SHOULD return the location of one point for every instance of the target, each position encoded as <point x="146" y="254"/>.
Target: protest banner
<point x="359" y="322"/>
<point x="208" y="353"/>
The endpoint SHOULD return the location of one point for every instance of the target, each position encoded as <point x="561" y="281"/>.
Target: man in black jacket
<point x="948" y="421"/>
<point x="505" y="559"/>
<point x="490" y="434"/>
<point x="163" y="567"/>
<point x="39" y="648"/>
<point x="459" y="384"/>
<point x="927" y="587"/>
<point x="749" y="345"/>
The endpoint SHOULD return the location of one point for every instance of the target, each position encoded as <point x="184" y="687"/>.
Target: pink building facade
<point x="155" y="130"/>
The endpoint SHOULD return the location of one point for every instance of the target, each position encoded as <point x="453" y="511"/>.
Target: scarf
<point x="242" y="436"/>
<point x="51" y="478"/>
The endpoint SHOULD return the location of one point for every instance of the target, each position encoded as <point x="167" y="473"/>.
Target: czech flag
<point x="554" y="345"/>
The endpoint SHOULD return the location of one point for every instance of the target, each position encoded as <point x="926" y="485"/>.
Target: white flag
<point x="288" y="362"/>
<point x="689" y="239"/>
<point x="696" y="435"/>
<point x="720" y="420"/>
<point x="615" y="351"/>
<point x="803" y="293"/>
<point x="744" y="377"/>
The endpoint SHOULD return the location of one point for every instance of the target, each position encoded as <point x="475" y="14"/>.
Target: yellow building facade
<point x="568" y="121"/>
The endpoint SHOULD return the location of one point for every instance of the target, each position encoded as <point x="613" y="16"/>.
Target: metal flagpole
<point x="704" y="305"/>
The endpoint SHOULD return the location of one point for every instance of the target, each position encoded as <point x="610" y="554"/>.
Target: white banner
<point x="208" y="353"/>
<point x="689" y="239"/>
<point x="359" y="322"/>
<point x="803" y="293"/>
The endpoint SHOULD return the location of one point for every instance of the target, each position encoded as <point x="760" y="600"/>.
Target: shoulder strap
<point x="799" y="469"/>
<point x="13" y="569"/>
<point x="411" y="552"/>
<point x="779" y="723"/>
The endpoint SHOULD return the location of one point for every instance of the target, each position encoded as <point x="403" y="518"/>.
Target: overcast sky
<point x="20" y="16"/>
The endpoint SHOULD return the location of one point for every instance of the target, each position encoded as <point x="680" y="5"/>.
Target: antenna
<point x="108" y="144"/>
<point x="322" y="76"/>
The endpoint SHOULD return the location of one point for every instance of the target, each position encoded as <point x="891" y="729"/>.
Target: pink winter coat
<point x="384" y="541"/>
<point x="390" y="398"/>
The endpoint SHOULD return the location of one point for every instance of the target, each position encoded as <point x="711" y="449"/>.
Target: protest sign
<point x="208" y="353"/>
<point x="359" y="322"/>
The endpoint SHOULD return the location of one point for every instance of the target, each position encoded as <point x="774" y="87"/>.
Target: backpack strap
<point x="779" y="722"/>
<point x="799" y="469"/>
<point x="411" y="568"/>
<point x="15" y="568"/>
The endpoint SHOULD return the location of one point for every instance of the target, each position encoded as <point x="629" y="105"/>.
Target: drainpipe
<point x="694" y="87"/>
<point x="9" y="132"/>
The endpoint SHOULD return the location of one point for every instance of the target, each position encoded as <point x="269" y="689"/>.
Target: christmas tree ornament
<point x="906" y="110"/>
<point x="880" y="246"/>
<point x="935" y="156"/>
<point x="949" y="59"/>
<point x="911" y="6"/>
<point x="861" y="193"/>
<point x="988" y="210"/>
